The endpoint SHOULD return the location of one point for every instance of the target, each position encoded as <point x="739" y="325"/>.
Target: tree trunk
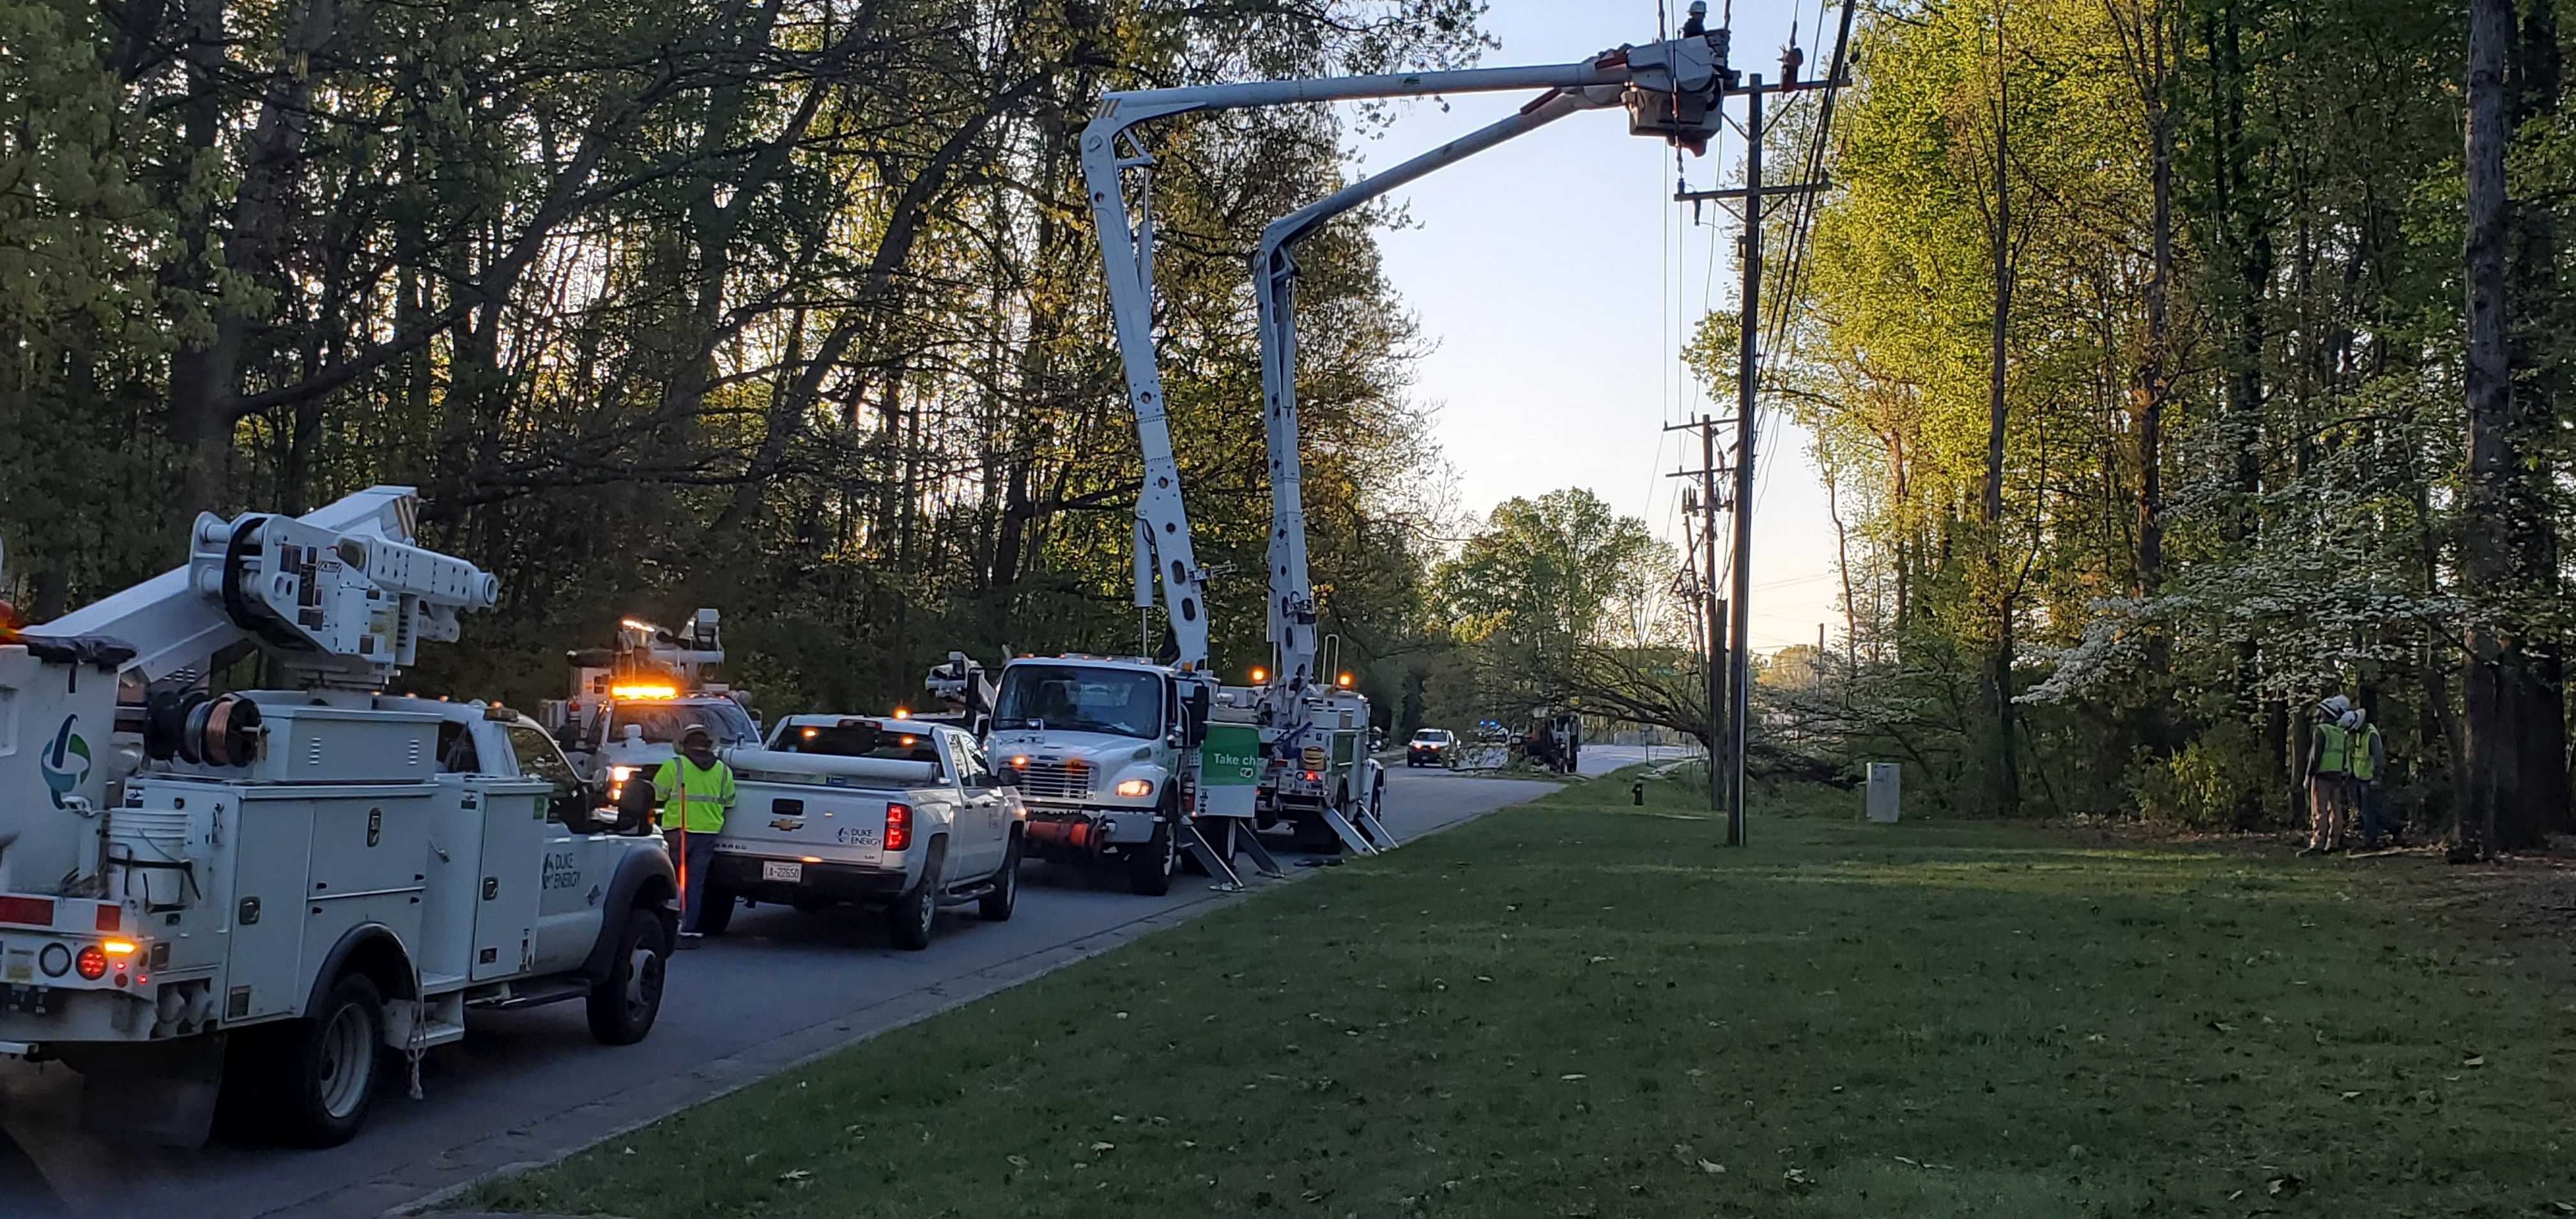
<point x="2005" y="780"/>
<point x="2491" y="764"/>
<point x="2539" y="379"/>
<point x="2244" y="226"/>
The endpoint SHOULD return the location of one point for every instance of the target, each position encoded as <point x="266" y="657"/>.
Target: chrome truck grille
<point x="1049" y="779"/>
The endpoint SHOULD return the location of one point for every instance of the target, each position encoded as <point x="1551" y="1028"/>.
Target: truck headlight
<point x="1136" y="789"/>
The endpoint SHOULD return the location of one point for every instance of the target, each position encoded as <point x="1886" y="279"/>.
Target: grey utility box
<point x="1885" y="779"/>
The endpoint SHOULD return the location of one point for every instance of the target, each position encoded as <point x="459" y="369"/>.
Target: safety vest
<point x="2365" y="752"/>
<point x="2334" y="756"/>
<point x="693" y="799"/>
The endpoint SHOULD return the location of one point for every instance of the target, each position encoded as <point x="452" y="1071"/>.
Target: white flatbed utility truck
<point x="256" y="897"/>
<point x="890" y="814"/>
<point x="1670" y="89"/>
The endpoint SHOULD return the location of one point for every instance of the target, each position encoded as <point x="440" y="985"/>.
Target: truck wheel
<point x="330" y="1066"/>
<point x="1150" y="868"/>
<point x="996" y="906"/>
<point x="624" y="1004"/>
<point x="717" y="913"/>
<point x="910" y="919"/>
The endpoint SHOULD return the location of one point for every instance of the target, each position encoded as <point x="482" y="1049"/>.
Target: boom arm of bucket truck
<point x="339" y="596"/>
<point x="1293" y="611"/>
<point x="1671" y="90"/>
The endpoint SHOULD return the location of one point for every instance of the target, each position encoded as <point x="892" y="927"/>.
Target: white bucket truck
<point x="263" y="896"/>
<point x="631" y="701"/>
<point x="1105" y="753"/>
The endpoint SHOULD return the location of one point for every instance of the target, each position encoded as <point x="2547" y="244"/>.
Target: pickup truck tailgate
<point x="807" y="820"/>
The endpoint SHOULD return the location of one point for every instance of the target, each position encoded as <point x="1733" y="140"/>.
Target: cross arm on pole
<point x="1741" y="192"/>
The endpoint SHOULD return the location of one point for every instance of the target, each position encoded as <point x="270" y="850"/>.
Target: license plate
<point x="782" y="871"/>
<point x="20" y="966"/>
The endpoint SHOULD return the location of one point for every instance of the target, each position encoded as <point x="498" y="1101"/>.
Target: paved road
<point x="1602" y="759"/>
<point x="528" y="1086"/>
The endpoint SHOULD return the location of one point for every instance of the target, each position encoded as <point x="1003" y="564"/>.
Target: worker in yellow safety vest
<point x="2369" y="770"/>
<point x="696" y="790"/>
<point x="2328" y="775"/>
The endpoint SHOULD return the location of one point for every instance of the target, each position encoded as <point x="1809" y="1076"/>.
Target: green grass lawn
<point x="1580" y="1008"/>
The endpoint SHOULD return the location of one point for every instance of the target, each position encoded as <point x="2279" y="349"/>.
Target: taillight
<point x="898" y="834"/>
<point x="92" y="964"/>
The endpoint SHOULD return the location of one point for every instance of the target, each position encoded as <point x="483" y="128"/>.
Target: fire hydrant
<point x="1637" y="793"/>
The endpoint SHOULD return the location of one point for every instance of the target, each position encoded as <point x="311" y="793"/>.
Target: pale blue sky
<point x="1555" y="282"/>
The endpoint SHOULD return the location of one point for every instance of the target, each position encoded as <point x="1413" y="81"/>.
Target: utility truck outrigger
<point x="1310" y="727"/>
<point x="263" y="894"/>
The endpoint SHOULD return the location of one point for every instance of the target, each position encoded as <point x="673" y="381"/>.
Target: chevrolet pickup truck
<point x="891" y="814"/>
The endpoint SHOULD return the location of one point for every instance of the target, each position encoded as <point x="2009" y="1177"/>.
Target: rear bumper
<point x="831" y="882"/>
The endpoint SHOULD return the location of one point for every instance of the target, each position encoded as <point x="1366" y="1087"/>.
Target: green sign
<point x="1229" y="770"/>
<point x="1231" y="756"/>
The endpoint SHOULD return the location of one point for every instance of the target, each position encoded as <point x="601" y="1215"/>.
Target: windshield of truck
<point x="663" y="722"/>
<point x="1431" y="736"/>
<point x="1081" y="699"/>
<point x="859" y="740"/>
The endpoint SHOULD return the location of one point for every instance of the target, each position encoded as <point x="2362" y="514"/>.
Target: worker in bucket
<point x="696" y="790"/>
<point x="2328" y="775"/>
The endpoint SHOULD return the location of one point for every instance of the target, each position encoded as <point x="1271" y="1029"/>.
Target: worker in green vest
<point x="2369" y="768"/>
<point x="2328" y="775"/>
<point x="696" y="790"/>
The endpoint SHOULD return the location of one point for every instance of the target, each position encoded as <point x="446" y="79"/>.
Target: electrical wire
<point x="1802" y="223"/>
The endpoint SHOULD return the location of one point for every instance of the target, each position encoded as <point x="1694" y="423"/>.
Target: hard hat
<point x="694" y="731"/>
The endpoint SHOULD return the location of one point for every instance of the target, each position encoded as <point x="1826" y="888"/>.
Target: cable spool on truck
<point x="257" y="897"/>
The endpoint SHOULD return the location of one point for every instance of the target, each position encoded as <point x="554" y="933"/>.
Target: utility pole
<point x="1710" y="606"/>
<point x="1748" y="379"/>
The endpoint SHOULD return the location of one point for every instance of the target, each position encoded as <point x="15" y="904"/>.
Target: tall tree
<point x="2498" y="503"/>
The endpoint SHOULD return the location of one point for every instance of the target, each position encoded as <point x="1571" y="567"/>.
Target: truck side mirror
<point x="1196" y="711"/>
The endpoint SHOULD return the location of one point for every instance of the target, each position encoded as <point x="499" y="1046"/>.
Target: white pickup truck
<point x="888" y="813"/>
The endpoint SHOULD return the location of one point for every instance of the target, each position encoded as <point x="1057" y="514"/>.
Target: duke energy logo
<point x="66" y="762"/>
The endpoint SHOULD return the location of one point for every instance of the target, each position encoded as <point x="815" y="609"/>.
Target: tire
<point x="911" y="918"/>
<point x="996" y="906"/>
<point x="329" y="1066"/>
<point x="718" y="914"/>
<point x="1149" y="871"/>
<point x="624" y="1005"/>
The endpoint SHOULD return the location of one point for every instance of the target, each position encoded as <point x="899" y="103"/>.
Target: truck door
<point x="982" y="839"/>
<point x="573" y="877"/>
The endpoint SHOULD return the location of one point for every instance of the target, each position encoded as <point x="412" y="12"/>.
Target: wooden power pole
<point x="1748" y="381"/>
